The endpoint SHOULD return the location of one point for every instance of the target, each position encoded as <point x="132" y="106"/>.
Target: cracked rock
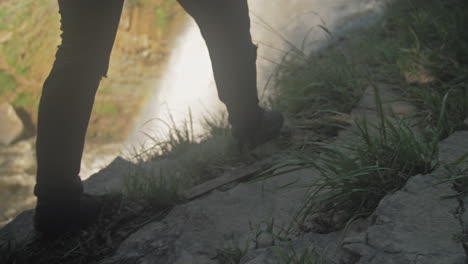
<point x="321" y="246"/>
<point x="414" y="225"/>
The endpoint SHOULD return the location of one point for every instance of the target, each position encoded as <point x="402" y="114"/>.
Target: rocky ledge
<point x="423" y="223"/>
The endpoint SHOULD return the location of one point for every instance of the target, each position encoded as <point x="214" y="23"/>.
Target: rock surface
<point x="11" y="125"/>
<point x="315" y="246"/>
<point x="195" y="232"/>
<point x="109" y="179"/>
<point x="423" y="223"/>
<point x="418" y="224"/>
<point x="367" y="109"/>
<point x="414" y="225"/>
<point x="454" y="148"/>
<point x="20" y="231"/>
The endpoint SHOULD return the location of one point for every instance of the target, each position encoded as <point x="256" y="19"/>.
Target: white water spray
<point x="187" y="89"/>
<point x="277" y="27"/>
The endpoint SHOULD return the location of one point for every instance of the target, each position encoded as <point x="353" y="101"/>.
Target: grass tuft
<point x="190" y="158"/>
<point x="429" y="51"/>
<point x="354" y="177"/>
<point x="420" y="46"/>
<point x="232" y="253"/>
<point x="156" y="190"/>
<point x="293" y="256"/>
<point x="306" y="85"/>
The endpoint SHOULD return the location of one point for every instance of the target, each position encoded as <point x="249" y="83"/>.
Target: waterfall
<point x="278" y="26"/>
<point x="186" y="89"/>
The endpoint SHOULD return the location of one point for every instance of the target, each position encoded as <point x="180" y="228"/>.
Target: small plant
<point x="199" y="157"/>
<point x="394" y="144"/>
<point x="216" y="126"/>
<point x="457" y="174"/>
<point x="432" y="58"/>
<point x="157" y="190"/>
<point x="354" y="177"/>
<point x="316" y="83"/>
<point x="177" y="139"/>
<point x="293" y="256"/>
<point x="232" y="253"/>
<point x="273" y="232"/>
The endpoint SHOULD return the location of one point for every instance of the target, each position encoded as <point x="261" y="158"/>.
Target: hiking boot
<point x="54" y="217"/>
<point x="267" y="127"/>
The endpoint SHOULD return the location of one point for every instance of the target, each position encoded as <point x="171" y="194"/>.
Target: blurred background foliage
<point x="30" y="33"/>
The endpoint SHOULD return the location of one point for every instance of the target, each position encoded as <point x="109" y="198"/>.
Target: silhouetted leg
<point x="225" y="26"/>
<point x="89" y="28"/>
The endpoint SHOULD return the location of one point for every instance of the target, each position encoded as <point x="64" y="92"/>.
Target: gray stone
<point x="110" y="179"/>
<point x="414" y="225"/>
<point x="391" y="102"/>
<point x="153" y="241"/>
<point x="366" y="109"/>
<point x="197" y="230"/>
<point x="321" y="246"/>
<point x="97" y="157"/>
<point x="20" y="231"/>
<point x="453" y="148"/>
<point x="463" y="219"/>
<point x="11" y="125"/>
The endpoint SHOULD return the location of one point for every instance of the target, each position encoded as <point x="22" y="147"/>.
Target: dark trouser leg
<point x="225" y="26"/>
<point x="89" y="28"/>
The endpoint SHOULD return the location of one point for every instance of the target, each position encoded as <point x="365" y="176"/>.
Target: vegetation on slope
<point x="418" y="46"/>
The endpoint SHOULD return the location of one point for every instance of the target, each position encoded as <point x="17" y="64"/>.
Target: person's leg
<point x="225" y="26"/>
<point x="88" y="32"/>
